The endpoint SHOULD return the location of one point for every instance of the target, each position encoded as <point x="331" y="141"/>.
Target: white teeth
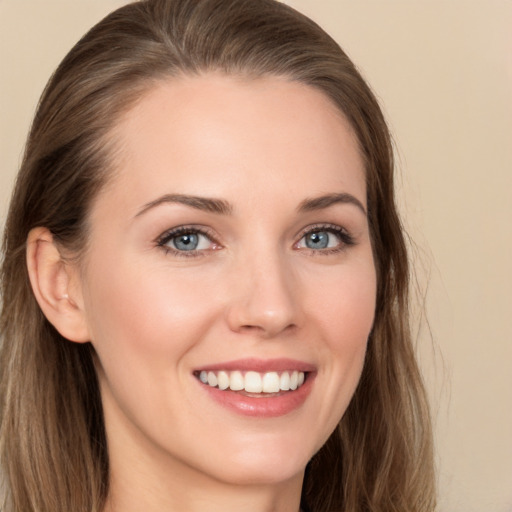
<point x="223" y="380"/>
<point x="253" y="382"/>
<point x="212" y="379"/>
<point x="236" y="381"/>
<point x="271" y="382"/>
<point x="284" y="383"/>
<point x="294" y="380"/>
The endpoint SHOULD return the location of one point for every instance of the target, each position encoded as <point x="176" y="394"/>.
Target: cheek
<point x="139" y="314"/>
<point x="345" y="306"/>
<point x="344" y="313"/>
<point x="144" y="322"/>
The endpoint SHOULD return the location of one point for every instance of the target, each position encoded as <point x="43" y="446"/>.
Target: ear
<point x="56" y="286"/>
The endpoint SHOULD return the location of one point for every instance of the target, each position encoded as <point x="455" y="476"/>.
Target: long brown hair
<point x="54" y="454"/>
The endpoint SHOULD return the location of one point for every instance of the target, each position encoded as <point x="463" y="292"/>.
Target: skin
<point x="252" y="289"/>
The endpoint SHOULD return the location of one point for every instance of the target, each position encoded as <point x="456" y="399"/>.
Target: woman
<point x="205" y="278"/>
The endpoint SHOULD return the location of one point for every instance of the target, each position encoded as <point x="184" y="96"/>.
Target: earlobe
<point x="53" y="282"/>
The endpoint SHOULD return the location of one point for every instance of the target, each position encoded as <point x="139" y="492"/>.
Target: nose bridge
<point x="263" y="297"/>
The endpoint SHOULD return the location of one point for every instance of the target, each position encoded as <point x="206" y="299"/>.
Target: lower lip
<point x="261" y="406"/>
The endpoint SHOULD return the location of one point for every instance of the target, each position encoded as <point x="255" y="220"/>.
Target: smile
<point x="253" y="382"/>
<point x="258" y="388"/>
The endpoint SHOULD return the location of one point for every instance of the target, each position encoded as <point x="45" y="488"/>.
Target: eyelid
<point x="346" y="238"/>
<point x="162" y="240"/>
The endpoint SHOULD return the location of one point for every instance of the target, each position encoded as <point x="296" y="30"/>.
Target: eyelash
<point x="346" y="240"/>
<point x="166" y="237"/>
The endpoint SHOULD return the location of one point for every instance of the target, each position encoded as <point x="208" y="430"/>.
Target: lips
<point x="260" y="365"/>
<point x="258" y="388"/>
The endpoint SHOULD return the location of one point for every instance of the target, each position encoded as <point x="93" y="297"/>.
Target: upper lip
<point x="260" y="365"/>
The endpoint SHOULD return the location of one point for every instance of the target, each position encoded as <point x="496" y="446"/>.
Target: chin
<point x="266" y="463"/>
<point x="270" y="472"/>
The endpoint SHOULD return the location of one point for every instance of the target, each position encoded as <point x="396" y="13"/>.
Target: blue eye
<point x="319" y="240"/>
<point x="325" y="238"/>
<point x="183" y="240"/>
<point x="186" y="242"/>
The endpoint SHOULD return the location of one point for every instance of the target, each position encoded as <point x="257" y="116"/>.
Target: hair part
<point x="53" y="446"/>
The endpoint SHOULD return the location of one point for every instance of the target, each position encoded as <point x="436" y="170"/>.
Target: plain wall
<point x="443" y="72"/>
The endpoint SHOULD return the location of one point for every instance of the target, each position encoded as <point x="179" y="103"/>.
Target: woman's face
<point x="230" y="250"/>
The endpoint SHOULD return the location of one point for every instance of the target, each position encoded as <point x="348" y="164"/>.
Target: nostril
<point x="262" y="300"/>
<point x="266" y="330"/>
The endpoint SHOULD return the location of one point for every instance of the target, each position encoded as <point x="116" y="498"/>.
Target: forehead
<point x="206" y="135"/>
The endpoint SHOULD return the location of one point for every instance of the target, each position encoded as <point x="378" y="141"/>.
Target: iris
<point x="186" y="242"/>
<point x="317" y="240"/>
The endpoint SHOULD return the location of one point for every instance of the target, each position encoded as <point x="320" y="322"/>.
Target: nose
<point x="263" y="297"/>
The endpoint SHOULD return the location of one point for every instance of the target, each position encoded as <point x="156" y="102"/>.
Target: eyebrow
<point x="205" y="204"/>
<point x="222" y="207"/>
<point x="321" y="202"/>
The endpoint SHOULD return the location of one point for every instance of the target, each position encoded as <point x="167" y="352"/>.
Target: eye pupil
<point x="186" y="242"/>
<point x="317" y="240"/>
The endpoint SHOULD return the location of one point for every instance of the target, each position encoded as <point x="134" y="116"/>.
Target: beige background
<point x="443" y="71"/>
